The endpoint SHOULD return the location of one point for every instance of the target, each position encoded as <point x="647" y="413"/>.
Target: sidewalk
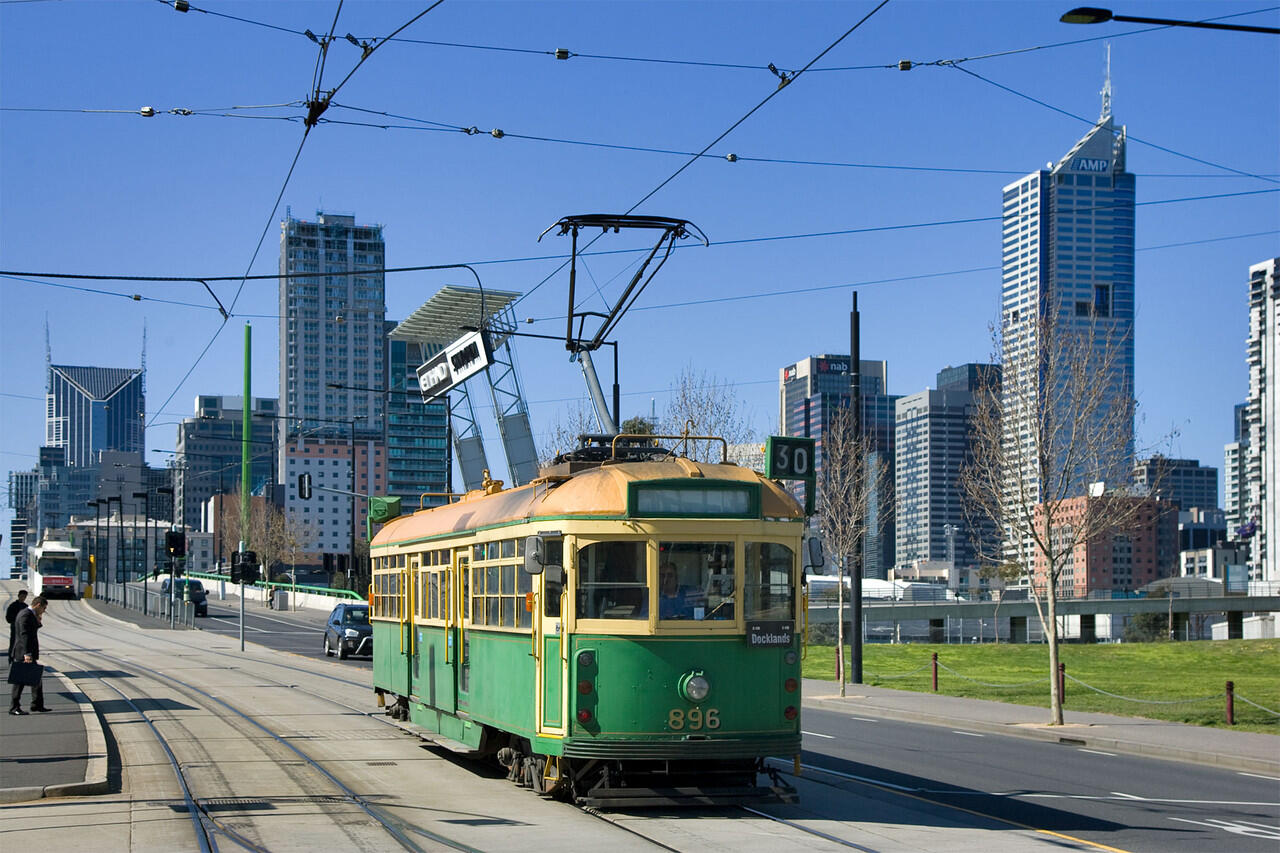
<point x="1250" y="752"/>
<point x="59" y="754"/>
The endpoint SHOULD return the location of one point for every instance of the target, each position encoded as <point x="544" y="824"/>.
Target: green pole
<point x="245" y="431"/>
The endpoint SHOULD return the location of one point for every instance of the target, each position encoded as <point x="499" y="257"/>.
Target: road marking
<point x="867" y="779"/>
<point x="968" y="734"/>
<point x="818" y="734"/>
<point x="1259" y="776"/>
<point x="864" y="719"/>
<point x="1236" y="827"/>
<point x="1125" y="796"/>
<point x="1098" y="752"/>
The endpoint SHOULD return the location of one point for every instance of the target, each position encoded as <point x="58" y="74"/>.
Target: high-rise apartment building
<point x="92" y="409"/>
<point x="1260" y="495"/>
<point x="812" y="388"/>
<point x="933" y="440"/>
<point x="1067" y="265"/>
<point x="332" y="358"/>
<point x="209" y="452"/>
<point x="1183" y="481"/>
<point x="332" y="325"/>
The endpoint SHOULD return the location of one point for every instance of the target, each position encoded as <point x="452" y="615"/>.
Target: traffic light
<point x="236" y="573"/>
<point x="304" y="486"/>
<point x="178" y="569"/>
<point x="175" y="543"/>
<point x="249" y="567"/>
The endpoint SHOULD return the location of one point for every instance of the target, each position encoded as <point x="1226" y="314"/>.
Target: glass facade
<point x="417" y="436"/>
<point x="92" y="409"/>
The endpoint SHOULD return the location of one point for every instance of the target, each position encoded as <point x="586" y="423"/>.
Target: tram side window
<point x="611" y="581"/>
<point x="696" y="580"/>
<point x="770" y="581"/>
<point x="552" y="575"/>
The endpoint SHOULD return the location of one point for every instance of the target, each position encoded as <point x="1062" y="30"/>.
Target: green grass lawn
<point x="1162" y="672"/>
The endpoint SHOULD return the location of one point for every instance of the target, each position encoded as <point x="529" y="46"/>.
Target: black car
<point x="348" y="631"/>
<point x="199" y="598"/>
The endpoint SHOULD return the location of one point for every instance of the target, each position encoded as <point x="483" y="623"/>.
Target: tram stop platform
<point x="61" y="753"/>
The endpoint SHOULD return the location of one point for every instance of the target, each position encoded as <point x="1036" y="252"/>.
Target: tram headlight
<point x="790" y="658"/>
<point x="694" y="686"/>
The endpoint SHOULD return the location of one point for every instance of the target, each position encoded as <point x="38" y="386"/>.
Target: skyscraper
<point x="812" y="388"/>
<point x="417" y="436"/>
<point x="331" y="325"/>
<point x="1260" y="496"/>
<point x="933" y="441"/>
<point x="209" y="448"/>
<point x="92" y="409"/>
<point x="1068" y="266"/>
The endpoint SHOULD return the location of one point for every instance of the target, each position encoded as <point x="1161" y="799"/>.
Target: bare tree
<point x="575" y="419"/>
<point x="1004" y="574"/>
<point x="852" y="475"/>
<point x="1060" y="418"/>
<point x="714" y="409"/>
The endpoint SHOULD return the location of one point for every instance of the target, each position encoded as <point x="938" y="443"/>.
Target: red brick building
<point x="1119" y="559"/>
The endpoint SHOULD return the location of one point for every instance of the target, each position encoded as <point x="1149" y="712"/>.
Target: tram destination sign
<point x="771" y="633"/>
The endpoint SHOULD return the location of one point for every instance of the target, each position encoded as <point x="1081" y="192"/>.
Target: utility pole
<point x="855" y="580"/>
<point x="246" y="427"/>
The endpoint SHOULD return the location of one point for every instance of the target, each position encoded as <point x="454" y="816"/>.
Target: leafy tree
<point x="1147" y="628"/>
<point x="1005" y="573"/>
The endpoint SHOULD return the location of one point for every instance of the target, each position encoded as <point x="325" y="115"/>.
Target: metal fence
<point x="147" y="600"/>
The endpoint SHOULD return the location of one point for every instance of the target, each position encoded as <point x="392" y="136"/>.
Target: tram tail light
<point x="789" y="713"/>
<point x="790" y="685"/>
<point x="584" y="687"/>
<point x="584" y="716"/>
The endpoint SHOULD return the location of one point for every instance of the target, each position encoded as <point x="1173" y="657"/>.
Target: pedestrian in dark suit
<point x="26" y="647"/>
<point x="11" y="613"/>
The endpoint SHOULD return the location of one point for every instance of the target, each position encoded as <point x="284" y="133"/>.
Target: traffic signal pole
<point x="244" y="462"/>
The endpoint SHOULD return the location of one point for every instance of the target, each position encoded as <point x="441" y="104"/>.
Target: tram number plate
<point x="771" y="633"/>
<point x="693" y="719"/>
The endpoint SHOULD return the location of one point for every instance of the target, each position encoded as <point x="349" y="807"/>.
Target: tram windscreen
<point x="57" y="566"/>
<point x="769" y="581"/>
<point x="611" y="581"/>
<point x="695" y="581"/>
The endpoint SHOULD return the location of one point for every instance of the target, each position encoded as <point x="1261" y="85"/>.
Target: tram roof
<point x="440" y="319"/>
<point x="598" y="492"/>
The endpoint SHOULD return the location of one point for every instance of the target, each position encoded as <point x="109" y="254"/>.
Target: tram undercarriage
<point x="610" y="783"/>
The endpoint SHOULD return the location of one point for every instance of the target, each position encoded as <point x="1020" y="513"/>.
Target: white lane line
<point x="817" y="734"/>
<point x="1122" y="795"/>
<point x="967" y="734"/>
<point x="867" y="779"/>
<point x="864" y="719"/>
<point x="1259" y="776"/>
<point x="1097" y="752"/>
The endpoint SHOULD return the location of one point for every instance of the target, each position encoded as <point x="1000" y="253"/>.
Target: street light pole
<point x="351" y="561"/>
<point x="97" y="534"/>
<point x="146" y="551"/>
<point x="119" y="541"/>
<point x="1094" y="15"/>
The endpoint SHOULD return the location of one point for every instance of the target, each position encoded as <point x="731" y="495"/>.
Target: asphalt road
<point x="300" y="632"/>
<point x="1123" y="802"/>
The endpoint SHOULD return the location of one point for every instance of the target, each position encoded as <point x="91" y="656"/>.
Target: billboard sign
<point x="455" y="364"/>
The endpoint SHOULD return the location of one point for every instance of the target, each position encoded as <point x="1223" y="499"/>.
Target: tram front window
<point x="611" y="581"/>
<point x="770" y="590"/>
<point x="695" y="581"/>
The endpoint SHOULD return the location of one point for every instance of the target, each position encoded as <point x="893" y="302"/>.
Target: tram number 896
<point x="693" y="719"/>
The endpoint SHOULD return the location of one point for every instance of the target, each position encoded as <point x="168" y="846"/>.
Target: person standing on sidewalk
<point x="10" y="613"/>
<point x="26" y="648"/>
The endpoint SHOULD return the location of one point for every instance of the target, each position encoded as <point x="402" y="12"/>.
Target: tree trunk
<point x="1055" y="698"/>
<point x="840" y="627"/>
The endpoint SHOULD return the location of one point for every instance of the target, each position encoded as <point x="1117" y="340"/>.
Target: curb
<point x="95" y="772"/>
<point x="1073" y="735"/>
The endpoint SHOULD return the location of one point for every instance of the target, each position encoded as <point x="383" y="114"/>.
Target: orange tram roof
<point x="595" y="493"/>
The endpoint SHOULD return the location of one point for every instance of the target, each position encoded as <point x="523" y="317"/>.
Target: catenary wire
<point x="235" y="18"/>
<point x="1129" y="137"/>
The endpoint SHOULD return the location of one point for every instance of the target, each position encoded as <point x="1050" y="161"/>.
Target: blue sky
<point x="117" y="193"/>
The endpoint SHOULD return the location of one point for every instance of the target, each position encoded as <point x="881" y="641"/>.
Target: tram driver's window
<point x="611" y="581"/>
<point x="696" y="581"/>
<point x="769" y="581"/>
<point x="552" y="576"/>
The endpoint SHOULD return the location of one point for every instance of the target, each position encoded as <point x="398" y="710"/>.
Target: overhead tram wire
<point x="785" y="80"/>
<point x="190" y="8"/>
<point x="1130" y="137"/>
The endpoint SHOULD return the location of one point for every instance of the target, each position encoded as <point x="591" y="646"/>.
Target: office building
<point x="933" y="440"/>
<point x="1067" y="256"/>
<point x="809" y="391"/>
<point x="417" y="449"/>
<point x="92" y="409"/>
<point x="1260" y="493"/>
<point x="1114" y="560"/>
<point x="325" y="519"/>
<point x="208" y="459"/>
<point x="1183" y="481"/>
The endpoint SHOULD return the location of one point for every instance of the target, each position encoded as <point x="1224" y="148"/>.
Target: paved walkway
<point x="1250" y="752"/>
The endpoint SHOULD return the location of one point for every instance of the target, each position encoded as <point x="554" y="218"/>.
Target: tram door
<point x="459" y="628"/>
<point x="550" y="642"/>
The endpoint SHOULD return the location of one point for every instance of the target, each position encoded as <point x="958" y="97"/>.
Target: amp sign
<point x="1091" y="164"/>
